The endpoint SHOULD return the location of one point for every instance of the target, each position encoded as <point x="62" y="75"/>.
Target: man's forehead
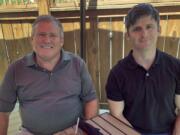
<point x="145" y="20"/>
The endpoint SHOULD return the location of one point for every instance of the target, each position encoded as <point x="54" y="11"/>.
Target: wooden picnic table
<point x="107" y="125"/>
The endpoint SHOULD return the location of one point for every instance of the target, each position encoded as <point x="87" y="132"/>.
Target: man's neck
<point x="144" y="58"/>
<point x="47" y="64"/>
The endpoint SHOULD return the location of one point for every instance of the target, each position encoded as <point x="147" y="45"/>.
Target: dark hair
<point x="47" y="18"/>
<point x="140" y="10"/>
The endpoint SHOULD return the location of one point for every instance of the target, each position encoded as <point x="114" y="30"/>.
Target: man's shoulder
<point x="74" y="58"/>
<point x="120" y="67"/>
<point x="169" y="58"/>
<point x="168" y="61"/>
<point x="22" y="61"/>
<point x="121" y="63"/>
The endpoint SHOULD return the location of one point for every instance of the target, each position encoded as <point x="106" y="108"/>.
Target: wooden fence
<point x="105" y="34"/>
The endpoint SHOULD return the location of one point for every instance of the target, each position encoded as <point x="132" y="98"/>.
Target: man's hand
<point x="4" y="121"/>
<point x="176" y="130"/>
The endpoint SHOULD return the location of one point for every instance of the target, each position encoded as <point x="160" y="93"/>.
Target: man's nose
<point x="144" y="32"/>
<point x="47" y="38"/>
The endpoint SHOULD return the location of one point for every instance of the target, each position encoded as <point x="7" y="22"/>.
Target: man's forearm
<point x="91" y="109"/>
<point x="176" y="130"/>
<point x="4" y="120"/>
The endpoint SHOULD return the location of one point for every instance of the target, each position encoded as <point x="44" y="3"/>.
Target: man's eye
<point x="136" y="29"/>
<point x="41" y="34"/>
<point x="149" y="27"/>
<point x="53" y="35"/>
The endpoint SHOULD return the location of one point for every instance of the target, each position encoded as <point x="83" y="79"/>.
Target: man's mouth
<point x="46" y="46"/>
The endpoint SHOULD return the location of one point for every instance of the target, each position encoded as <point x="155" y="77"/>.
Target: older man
<point x="53" y="86"/>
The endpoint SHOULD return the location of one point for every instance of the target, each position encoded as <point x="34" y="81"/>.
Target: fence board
<point x="26" y="28"/>
<point x="162" y="38"/>
<point x="117" y="39"/>
<point x="127" y="46"/>
<point x="9" y="41"/>
<point x="3" y="55"/>
<point x="77" y="37"/>
<point x="172" y="36"/>
<point x="19" y="39"/>
<point x="92" y="52"/>
<point x="104" y="53"/>
<point x="69" y="37"/>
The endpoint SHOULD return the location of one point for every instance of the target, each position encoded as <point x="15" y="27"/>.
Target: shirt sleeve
<point x="88" y="92"/>
<point x="8" y="91"/>
<point x="114" y="87"/>
<point x="178" y="77"/>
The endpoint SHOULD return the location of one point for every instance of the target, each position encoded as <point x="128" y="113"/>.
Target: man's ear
<point x="127" y="35"/>
<point x="62" y="41"/>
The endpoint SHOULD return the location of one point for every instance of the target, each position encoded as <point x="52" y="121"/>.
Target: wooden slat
<point x="9" y="39"/>
<point x="120" y="125"/>
<point x="117" y="39"/>
<point x="26" y="28"/>
<point x="43" y="7"/>
<point x="104" y="54"/>
<point x="77" y="37"/>
<point x="19" y="39"/>
<point x="162" y="37"/>
<point x="92" y="51"/>
<point x="172" y="35"/>
<point x="110" y="128"/>
<point x="69" y="37"/>
<point x="3" y="55"/>
<point x="103" y="131"/>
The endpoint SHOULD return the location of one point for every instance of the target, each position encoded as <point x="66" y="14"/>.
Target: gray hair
<point x="47" y="18"/>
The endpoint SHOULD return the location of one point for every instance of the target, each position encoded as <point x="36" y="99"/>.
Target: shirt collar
<point x="30" y="58"/>
<point x="132" y="63"/>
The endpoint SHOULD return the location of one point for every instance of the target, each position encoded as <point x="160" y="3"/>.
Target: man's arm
<point x="4" y="121"/>
<point x="176" y="130"/>
<point x="116" y="109"/>
<point x="91" y="109"/>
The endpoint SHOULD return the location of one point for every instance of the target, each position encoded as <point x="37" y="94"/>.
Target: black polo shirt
<point x="149" y="96"/>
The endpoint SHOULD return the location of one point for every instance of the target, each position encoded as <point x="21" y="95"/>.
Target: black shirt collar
<point x="133" y="64"/>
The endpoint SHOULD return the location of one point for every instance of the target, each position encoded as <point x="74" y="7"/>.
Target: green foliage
<point x="1" y="2"/>
<point x="26" y="1"/>
<point x="13" y="1"/>
<point x="65" y="1"/>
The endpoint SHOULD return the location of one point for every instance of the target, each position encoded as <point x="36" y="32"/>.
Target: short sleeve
<point x="8" y="91"/>
<point x="178" y="85"/>
<point x="178" y="78"/>
<point x="114" y="87"/>
<point x="88" y="92"/>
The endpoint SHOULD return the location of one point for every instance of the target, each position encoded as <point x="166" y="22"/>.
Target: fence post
<point x="83" y="28"/>
<point x="43" y="7"/>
